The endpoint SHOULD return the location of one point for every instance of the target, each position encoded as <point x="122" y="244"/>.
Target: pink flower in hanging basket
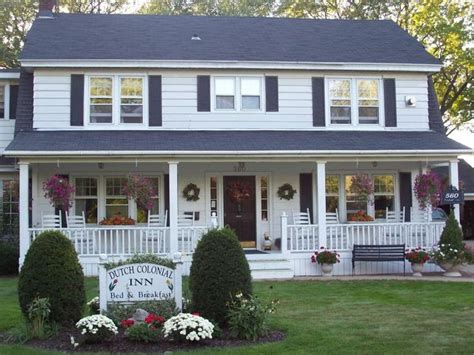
<point x="59" y="192"/>
<point x="141" y="190"/>
<point x="427" y="189"/>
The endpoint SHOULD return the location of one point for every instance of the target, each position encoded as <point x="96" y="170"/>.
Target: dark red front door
<point x="239" y="208"/>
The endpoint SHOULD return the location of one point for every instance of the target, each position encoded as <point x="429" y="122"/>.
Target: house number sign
<point x="452" y="196"/>
<point x="139" y="282"/>
<point x="240" y="168"/>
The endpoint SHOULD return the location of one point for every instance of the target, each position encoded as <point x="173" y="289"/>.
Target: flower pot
<point x="327" y="269"/>
<point x="267" y="244"/>
<point x="450" y="269"/>
<point x="417" y="268"/>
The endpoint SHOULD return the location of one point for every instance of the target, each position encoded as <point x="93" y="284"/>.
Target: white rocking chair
<point x="301" y="218"/>
<point x="332" y="217"/>
<point x="395" y="216"/>
<point x="51" y="221"/>
<point x="420" y="216"/>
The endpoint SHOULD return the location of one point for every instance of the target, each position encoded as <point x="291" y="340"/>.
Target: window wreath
<point x="191" y="192"/>
<point x="286" y="192"/>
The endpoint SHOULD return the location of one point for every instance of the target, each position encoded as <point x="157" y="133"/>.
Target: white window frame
<point x="394" y="193"/>
<point x="238" y="94"/>
<point x="97" y="197"/>
<point x="354" y="104"/>
<point x="116" y="101"/>
<point x="6" y="98"/>
<point x="129" y="202"/>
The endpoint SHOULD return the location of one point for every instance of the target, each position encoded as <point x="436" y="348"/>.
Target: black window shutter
<point x="77" y="100"/>
<point x="319" y="119"/>
<point x="390" y="99"/>
<point x="204" y="93"/>
<point x="166" y="181"/>
<point x="271" y="93"/>
<point x="155" y="115"/>
<point x="13" y="101"/>
<point x="405" y="194"/>
<point x="306" y="192"/>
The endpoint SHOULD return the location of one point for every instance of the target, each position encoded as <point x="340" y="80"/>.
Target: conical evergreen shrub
<point x="52" y="270"/>
<point x="219" y="270"/>
<point x="452" y="234"/>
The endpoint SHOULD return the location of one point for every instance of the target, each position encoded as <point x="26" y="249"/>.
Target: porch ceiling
<point x="219" y="143"/>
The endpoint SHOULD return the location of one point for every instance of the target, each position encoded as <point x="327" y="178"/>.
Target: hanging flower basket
<point x="427" y="189"/>
<point x="59" y="192"/>
<point x="362" y="187"/>
<point x="141" y="190"/>
<point x="238" y="192"/>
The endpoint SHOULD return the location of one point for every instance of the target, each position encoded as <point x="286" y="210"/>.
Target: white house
<point x="221" y="102"/>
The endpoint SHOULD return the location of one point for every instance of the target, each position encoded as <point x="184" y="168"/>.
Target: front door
<point x="239" y="208"/>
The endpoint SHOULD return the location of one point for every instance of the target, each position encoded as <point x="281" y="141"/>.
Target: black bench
<point x="394" y="252"/>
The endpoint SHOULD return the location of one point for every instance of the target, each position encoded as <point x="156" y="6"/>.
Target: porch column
<point x="321" y="199"/>
<point x="173" y="212"/>
<point x="454" y="180"/>
<point x="24" y="210"/>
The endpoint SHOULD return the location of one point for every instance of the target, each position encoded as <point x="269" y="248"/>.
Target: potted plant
<point x="449" y="254"/>
<point x="360" y="216"/>
<point x="427" y="189"/>
<point x="141" y="190"/>
<point x="417" y="257"/>
<point x="326" y="259"/>
<point x="362" y="187"/>
<point x="267" y="241"/>
<point x="59" y="192"/>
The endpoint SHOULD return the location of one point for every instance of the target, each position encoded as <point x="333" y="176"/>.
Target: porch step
<point x="271" y="268"/>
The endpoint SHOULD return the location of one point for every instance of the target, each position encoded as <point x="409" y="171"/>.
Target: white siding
<point x="7" y="128"/>
<point x="52" y="101"/>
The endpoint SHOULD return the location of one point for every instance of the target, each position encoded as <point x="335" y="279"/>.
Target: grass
<point x="368" y="317"/>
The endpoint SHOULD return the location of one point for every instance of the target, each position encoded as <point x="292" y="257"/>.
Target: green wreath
<point x="286" y="192"/>
<point x="191" y="192"/>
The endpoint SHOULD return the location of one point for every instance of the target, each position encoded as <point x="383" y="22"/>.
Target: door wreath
<point x="286" y="192"/>
<point x="191" y="192"/>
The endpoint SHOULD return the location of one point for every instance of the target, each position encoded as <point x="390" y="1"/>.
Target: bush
<point x="248" y="317"/>
<point x="188" y="327"/>
<point x="52" y="270"/>
<point x="452" y="234"/>
<point x="96" y="328"/>
<point x="143" y="333"/>
<point x="219" y="270"/>
<point x="8" y="258"/>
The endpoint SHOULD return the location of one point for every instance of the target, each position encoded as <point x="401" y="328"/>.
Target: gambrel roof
<point x="153" y="37"/>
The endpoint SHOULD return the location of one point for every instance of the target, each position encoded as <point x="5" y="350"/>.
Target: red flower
<point x="195" y="314"/>
<point x="152" y="318"/>
<point x="127" y="323"/>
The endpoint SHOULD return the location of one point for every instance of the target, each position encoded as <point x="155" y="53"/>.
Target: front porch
<point x="98" y="195"/>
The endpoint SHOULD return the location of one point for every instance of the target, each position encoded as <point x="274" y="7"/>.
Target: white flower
<point x="185" y="324"/>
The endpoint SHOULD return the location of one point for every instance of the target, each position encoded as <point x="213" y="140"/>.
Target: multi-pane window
<point x="250" y="91"/>
<point x="264" y="197"/>
<point x="384" y="194"/>
<point x="131" y="100"/>
<point x="332" y="193"/>
<point x="86" y="198"/>
<point x="225" y="93"/>
<point x="340" y="101"/>
<point x="9" y="207"/>
<point x="116" y="203"/>
<point x="101" y="99"/>
<point x="353" y="202"/>
<point x="142" y="214"/>
<point x="368" y="101"/>
<point x="2" y="101"/>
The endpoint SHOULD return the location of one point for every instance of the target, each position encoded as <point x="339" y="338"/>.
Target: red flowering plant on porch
<point x="417" y="256"/>
<point x="360" y="216"/>
<point x="427" y="189"/>
<point x="59" y="192"/>
<point x="362" y="187"/>
<point x="117" y="220"/>
<point x="324" y="256"/>
<point x="140" y="189"/>
<point x="238" y="191"/>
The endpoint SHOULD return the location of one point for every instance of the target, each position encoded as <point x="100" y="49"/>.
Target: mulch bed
<point x="120" y="344"/>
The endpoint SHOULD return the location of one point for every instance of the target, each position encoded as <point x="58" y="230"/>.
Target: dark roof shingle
<point x="218" y="141"/>
<point x="153" y="37"/>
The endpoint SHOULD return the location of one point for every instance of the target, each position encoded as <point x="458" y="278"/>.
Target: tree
<point x="92" y="6"/>
<point x="210" y="7"/>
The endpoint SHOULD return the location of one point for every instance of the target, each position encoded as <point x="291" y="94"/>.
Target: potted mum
<point x="326" y="259"/>
<point x="417" y="257"/>
<point x="449" y="254"/>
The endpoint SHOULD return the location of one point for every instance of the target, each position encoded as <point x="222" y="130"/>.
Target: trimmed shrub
<point x="219" y="270"/>
<point x="452" y="234"/>
<point x="52" y="270"/>
<point x="8" y="258"/>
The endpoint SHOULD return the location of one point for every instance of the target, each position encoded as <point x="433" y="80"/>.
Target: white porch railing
<point x="342" y="237"/>
<point x="128" y="240"/>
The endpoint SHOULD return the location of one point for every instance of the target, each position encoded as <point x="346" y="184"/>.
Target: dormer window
<point x="354" y="101"/>
<point x="116" y="99"/>
<point x="238" y="93"/>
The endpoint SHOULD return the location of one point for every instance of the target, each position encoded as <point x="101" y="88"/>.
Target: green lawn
<point x="342" y="317"/>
